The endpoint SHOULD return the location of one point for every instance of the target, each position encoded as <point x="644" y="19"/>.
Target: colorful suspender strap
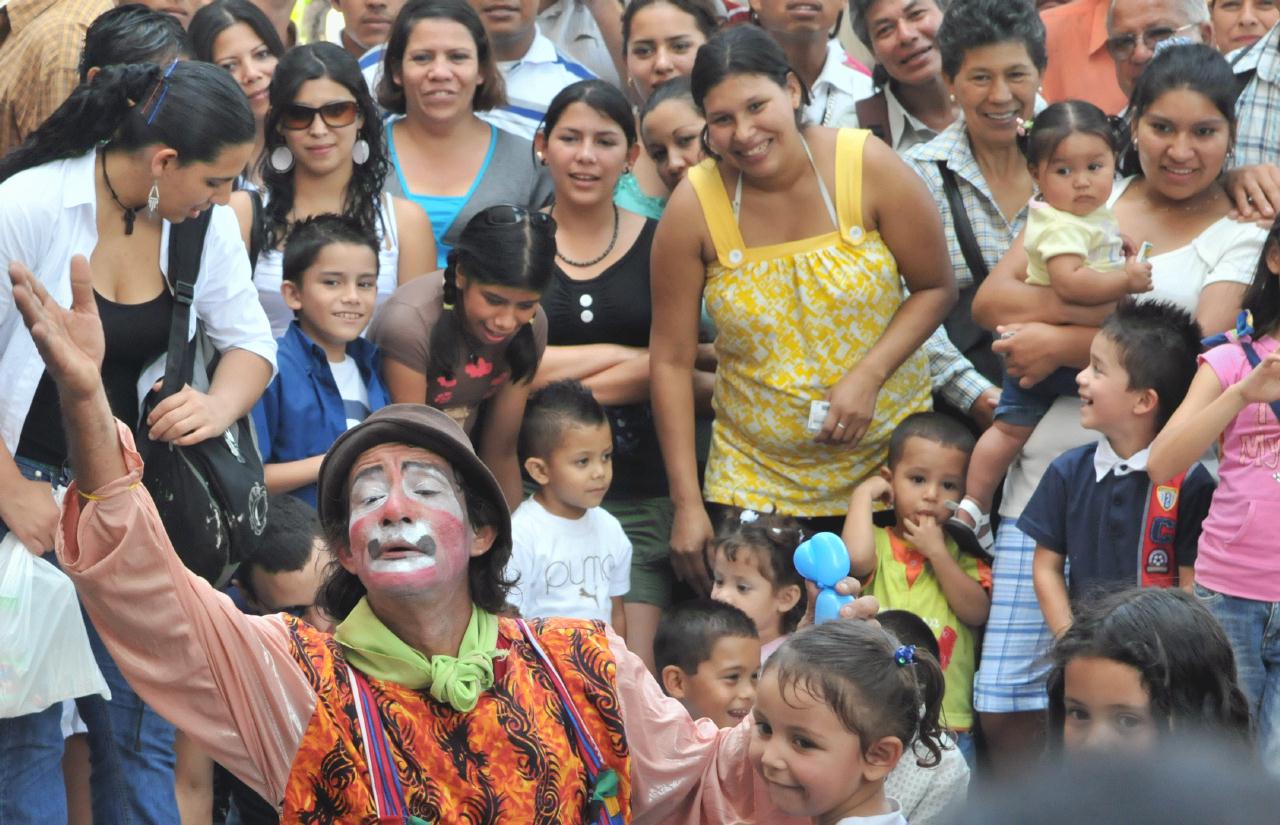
<point x="1157" y="553"/>
<point x="388" y="794"/>
<point x="1242" y="335"/>
<point x="603" y="806"/>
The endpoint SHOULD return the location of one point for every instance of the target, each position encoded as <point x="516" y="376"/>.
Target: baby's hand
<point x="1138" y="276"/>
<point x="925" y="535"/>
<point x="875" y="488"/>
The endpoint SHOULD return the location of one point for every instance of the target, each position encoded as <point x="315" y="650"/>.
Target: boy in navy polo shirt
<point x="1095" y="507"/>
<point x="328" y="379"/>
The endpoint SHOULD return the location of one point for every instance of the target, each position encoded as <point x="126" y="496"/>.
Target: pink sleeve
<point x="1227" y="362"/>
<point x="685" y="772"/>
<point x="224" y="678"/>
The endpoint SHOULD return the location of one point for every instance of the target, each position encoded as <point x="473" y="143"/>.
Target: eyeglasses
<point x="1121" y="47"/>
<point x="296" y="117"/>
<point x="508" y="215"/>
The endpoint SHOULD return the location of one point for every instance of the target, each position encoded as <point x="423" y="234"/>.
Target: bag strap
<point x="964" y="230"/>
<point x="1242" y="335"/>
<point x="257" y="232"/>
<point x="1157" y="549"/>
<point x="186" y="245"/>
<point x="602" y="800"/>
<point x="388" y="793"/>
<point x="873" y="115"/>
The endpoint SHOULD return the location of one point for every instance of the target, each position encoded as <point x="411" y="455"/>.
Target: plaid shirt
<point x="953" y="376"/>
<point x="40" y="44"/>
<point x="1258" y="107"/>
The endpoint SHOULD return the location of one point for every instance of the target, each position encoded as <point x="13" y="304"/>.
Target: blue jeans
<point x="1254" y="631"/>
<point x="131" y="748"/>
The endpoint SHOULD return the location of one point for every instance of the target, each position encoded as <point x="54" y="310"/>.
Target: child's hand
<point x="1139" y="276"/>
<point x="924" y="535"/>
<point x="1262" y="384"/>
<point x="875" y="488"/>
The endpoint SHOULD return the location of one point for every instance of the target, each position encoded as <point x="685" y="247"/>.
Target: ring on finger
<point x="839" y="426"/>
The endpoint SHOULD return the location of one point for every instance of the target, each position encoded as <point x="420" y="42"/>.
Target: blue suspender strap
<point x="602" y="805"/>
<point x="1243" y="335"/>
<point x="388" y="794"/>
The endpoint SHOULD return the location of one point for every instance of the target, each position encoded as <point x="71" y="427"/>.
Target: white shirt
<point x="533" y="81"/>
<point x="928" y="796"/>
<point x="894" y="817"/>
<point x="351" y="389"/>
<point x="905" y="129"/>
<point x="371" y="67"/>
<point x="837" y="90"/>
<point x="567" y="567"/>
<point x="570" y="25"/>
<point x="1227" y="251"/>
<point x="49" y="214"/>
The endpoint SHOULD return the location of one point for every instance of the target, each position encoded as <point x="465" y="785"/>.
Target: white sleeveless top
<point x="268" y="272"/>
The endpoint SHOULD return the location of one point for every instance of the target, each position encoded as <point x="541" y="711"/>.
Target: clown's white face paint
<point x="406" y="529"/>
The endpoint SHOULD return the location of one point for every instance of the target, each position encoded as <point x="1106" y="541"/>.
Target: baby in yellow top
<point x="1074" y="247"/>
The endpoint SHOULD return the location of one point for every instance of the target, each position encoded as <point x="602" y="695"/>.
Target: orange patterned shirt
<point x="510" y="760"/>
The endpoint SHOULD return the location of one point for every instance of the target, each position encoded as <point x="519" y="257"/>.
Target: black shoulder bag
<point x="973" y="341"/>
<point x="211" y="496"/>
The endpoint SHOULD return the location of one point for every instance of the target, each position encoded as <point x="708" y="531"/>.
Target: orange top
<point x="1080" y="66"/>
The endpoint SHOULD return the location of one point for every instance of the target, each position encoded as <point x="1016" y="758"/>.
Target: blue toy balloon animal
<point x="824" y="561"/>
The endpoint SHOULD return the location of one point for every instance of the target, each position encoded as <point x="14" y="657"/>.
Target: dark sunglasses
<point x="508" y="215"/>
<point x="296" y="117"/>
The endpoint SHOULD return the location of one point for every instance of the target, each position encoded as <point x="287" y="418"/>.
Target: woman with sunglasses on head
<point x="599" y="311"/>
<point x="130" y="153"/>
<point x="237" y="36"/>
<point x="801" y="238"/>
<point x="807" y="33"/>
<point x="324" y="153"/>
<point x="467" y="340"/>
<point x="438" y="72"/>
<point x="660" y="39"/>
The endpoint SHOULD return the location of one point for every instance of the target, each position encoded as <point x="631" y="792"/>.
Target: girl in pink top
<point x="1233" y="400"/>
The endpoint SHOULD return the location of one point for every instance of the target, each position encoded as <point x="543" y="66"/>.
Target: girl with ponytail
<point x="133" y="150"/>
<point x="468" y="340"/>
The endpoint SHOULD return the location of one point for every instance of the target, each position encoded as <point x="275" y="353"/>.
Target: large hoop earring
<point x="281" y="159"/>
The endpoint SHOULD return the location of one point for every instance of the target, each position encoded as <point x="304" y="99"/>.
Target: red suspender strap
<point x="1157" y="556"/>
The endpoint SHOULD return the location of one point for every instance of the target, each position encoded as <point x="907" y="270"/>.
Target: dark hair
<point x="604" y="98"/>
<point x="1262" y="298"/>
<point x="702" y="17"/>
<point x="972" y="24"/>
<point x="553" y="409"/>
<point x="1158" y="343"/>
<point x="1061" y="120"/>
<point x="363" y="198"/>
<point x="853" y="668"/>
<point x="193" y="108"/>
<point x="677" y="88"/>
<point x="687" y="632"/>
<point x="220" y="15"/>
<point x="518" y="255"/>
<point x="910" y="629"/>
<point x="491" y="94"/>
<point x="1192" y="66"/>
<point x="771" y="540"/>
<point x="286" y="542"/>
<point x="132" y="33"/>
<point x="937" y="428"/>
<point x="486" y="573"/>
<point x="858" y="10"/>
<point x="1181" y="654"/>
<point x="741" y="50"/>
<point x="313" y="234"/>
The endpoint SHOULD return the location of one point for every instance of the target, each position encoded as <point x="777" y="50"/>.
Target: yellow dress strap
<point x="717" y="211"/>
<point x="849" y="144"/>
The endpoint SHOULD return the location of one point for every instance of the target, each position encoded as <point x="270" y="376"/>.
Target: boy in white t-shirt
<point x="569" y="557"/>
<point x="328" y="375"/>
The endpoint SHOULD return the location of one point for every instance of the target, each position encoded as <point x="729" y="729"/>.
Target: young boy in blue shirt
<point x="1095" y="508"/>
<point x="328" y="375"/>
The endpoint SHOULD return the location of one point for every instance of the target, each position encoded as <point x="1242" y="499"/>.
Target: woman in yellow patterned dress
<point x="801" y="239"/>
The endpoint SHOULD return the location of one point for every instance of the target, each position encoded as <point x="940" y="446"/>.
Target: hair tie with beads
<point x="905" y="655"/>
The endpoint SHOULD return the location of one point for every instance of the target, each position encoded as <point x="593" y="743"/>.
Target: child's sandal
<point x="976" y="540"/>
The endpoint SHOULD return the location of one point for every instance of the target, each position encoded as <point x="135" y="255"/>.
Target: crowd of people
<point x="581" y="343"/>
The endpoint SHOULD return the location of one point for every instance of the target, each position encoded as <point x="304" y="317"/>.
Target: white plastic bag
<point x="44" y="648"/>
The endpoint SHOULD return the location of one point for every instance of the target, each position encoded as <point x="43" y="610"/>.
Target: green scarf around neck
<point x="457" y="681"/>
